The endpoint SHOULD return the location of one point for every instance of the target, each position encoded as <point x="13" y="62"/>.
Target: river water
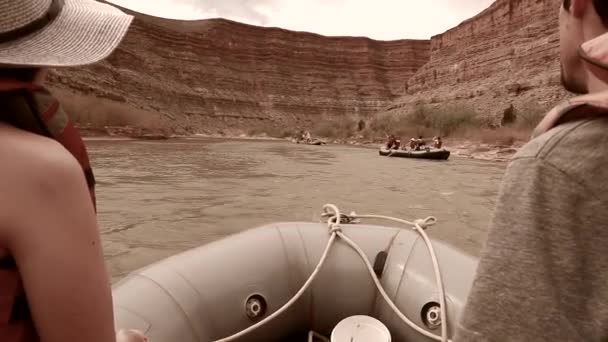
<point x="156" y="199"/>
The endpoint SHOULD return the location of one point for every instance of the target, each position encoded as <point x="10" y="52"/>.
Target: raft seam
<point x="139" y="315"/>
<point x="292" y="287"/>
<point x="286" y="255"/>
<point x="173" y="300"/>
<point x="312" y="297"/>
<point x="200" y="297"/>
<point x="387" y="250"/>
<point x="404" y="268"/>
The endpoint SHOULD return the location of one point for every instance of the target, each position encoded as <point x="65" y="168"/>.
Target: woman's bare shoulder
<point x="24" y="155"/>
<point x="33" y="170"/>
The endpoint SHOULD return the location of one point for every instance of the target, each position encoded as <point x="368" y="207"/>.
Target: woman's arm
<point x="130" y="335"/>
<point x="49" y="226"/>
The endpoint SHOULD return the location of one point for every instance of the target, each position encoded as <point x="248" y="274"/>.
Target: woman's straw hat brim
<point x="84" y="32"/>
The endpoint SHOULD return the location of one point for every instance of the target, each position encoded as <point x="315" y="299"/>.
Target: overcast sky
<point x="378" y="19"/>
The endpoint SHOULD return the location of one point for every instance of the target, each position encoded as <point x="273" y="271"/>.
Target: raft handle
<point x="379" y="263"/>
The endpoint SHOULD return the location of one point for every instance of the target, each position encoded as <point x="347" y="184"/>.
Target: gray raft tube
<point x="201" y="295"/>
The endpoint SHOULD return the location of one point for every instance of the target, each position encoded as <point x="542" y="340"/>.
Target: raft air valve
<point x="255" y="306"/>
<point x="431" y="315"/>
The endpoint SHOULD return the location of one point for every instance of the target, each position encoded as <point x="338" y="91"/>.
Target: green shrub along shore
<point x="453" y="121"/>
<point x="458" y="122"/>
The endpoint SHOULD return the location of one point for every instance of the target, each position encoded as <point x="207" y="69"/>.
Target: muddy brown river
<point x="156" y="199"/>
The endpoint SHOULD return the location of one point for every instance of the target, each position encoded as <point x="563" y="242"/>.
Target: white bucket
<point x="360" y="329"/>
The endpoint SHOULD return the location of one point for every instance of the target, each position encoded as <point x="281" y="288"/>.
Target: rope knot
<point x="425" y="223"/>
<point x="333" y="222"/>
<point x="335" y="228"/>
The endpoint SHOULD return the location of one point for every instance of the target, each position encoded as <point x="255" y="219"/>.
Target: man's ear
<point x="579" y="7"/>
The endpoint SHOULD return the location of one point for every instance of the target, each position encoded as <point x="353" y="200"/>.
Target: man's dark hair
<point x="601" y="7"/>
<point x="19" y="74"/>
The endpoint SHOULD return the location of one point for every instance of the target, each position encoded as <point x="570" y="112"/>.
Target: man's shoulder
<point x="579" y="149"/>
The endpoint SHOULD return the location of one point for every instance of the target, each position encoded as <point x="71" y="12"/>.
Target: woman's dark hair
<point x="601" y="7"/>
<point x="19" y="74"/>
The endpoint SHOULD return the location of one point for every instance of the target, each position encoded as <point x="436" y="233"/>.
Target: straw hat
<point x="58" y="33"/>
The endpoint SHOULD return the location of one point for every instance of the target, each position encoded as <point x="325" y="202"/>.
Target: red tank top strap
<point x="15" y="322"/>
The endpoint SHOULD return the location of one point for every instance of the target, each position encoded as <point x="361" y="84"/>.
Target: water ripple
<point x="159" y="198"/>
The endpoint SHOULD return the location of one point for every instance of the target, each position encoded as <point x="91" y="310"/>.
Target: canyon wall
<point x="218" y="73"/>
<point x="506" y="55"/>
<point x="208" y="75"/>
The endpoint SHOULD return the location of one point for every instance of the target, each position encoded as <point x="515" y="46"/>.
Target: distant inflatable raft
<point x="436" y="154"/>
<point x="216" y="290"/>
<point x="312" y="142"/>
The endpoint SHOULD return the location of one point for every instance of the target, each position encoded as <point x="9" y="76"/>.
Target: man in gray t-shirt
<point x="543" y="272"/>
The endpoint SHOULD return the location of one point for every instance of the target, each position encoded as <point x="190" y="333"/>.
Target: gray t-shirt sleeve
<point x="543" y="274"/>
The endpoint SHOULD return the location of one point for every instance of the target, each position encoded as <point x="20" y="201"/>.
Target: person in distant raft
<point x="543" y="271"/>
<point x="437" y="143"/>
<point x="415" y="144"/>
<point x="392" y="142"/>
<point x="420" y="142"/>
<point x="307" y="137"/>
<point x="299" y="136"/>
<point x="54" y="286"/>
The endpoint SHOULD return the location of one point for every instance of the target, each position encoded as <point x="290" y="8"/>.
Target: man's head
<point x="580" y="20"/>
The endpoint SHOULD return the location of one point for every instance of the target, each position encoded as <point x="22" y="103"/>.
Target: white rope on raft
<point x="312" y="335"/>
<point x="333" y="223"/>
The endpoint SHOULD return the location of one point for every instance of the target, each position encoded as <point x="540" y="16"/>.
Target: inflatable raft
<point x="316" y="142"/>
<point x="312" y="142"/>
<point x="436" y="154"/>
<point x="338" y="282"/>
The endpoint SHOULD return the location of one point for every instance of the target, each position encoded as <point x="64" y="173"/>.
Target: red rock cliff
<point x="214" y="74"/>
<point x="508" y="54"/>
<point x="218" y="73"/>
